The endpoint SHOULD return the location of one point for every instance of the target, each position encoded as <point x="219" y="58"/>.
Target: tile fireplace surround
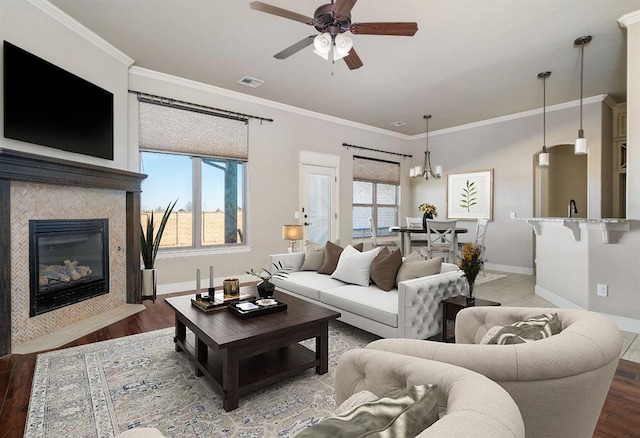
<point x="38" y="187"/>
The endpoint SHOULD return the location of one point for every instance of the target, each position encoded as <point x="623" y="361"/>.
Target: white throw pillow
<point x="354" y="266"/>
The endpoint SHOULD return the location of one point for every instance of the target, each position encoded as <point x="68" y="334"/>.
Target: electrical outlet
<point x="512" y="215"/>
<point x="602" y="290"/>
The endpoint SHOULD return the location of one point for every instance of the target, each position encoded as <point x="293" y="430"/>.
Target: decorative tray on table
<point x="260" y="306"/>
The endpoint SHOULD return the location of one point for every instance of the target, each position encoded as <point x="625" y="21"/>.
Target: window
<point x="375" y="195"/>
<point x="209" y="193"/>
<point x="196" y="156"/>
<point x="375" y="200"/>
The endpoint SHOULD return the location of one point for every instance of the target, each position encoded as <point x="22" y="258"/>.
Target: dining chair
<point x="481" y="232"/>
<point x="441" y="240"/>
<point x="373" y="229"/>
<point x="416" y="240"/>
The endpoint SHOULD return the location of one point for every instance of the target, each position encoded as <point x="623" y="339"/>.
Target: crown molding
<point x="199" y="86"/>
<point x="628" y="19"/>
<point x="79" y="29"/>
<point x="561" y="106"/>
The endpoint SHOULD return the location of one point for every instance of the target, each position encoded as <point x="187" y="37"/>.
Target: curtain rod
<point x="376" y="150"/>
<point x="202" y="109"/>
<point x="379" y="160"/>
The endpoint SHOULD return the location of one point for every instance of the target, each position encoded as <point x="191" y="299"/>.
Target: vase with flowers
<point x="429" y="211"/>
<point x="471" y="262"/>
<point x="266" y="288"/>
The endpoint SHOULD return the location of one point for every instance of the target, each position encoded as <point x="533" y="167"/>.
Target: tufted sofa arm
<point x="293" y="260"/>
<point x="472" y="405"/>
<point x="422" y="301"/>
<point x="559" y="383"/>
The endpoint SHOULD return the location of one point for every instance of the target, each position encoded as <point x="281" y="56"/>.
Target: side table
<point x="451" y="307"/>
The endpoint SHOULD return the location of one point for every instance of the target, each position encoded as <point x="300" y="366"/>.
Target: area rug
<point x="101" y="389"/>
<point x="486" y="277"/>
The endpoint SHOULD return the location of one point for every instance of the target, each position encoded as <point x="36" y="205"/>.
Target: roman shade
<point x="191" y="132"/>
<point x="374" y="170"/>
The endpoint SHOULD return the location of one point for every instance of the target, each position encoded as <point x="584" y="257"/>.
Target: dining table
<point x="406" y="232"/>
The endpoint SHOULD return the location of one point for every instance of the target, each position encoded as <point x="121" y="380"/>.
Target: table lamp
<point x="292" y="233"/>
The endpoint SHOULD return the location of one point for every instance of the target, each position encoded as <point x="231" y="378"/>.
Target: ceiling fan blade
<point x="352" y="60"/>
<point x="295" y="48"/>
<point x="269" y="9"/>
<point x="343" y="7"/>
<point x="401" y="29"/>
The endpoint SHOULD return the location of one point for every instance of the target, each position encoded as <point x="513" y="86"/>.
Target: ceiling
<point x="470" y="60"/>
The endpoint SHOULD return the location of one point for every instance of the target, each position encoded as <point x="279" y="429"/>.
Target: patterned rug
<point x="101" y="389"/>
<point x="490" y="276"/>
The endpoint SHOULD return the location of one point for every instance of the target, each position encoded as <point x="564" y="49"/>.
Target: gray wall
<point x="508" y="146"/>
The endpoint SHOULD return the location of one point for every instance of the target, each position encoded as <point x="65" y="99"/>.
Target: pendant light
<point x="426" y="170"/>
<point x="581" y="142"/>
<point x="543" y="157"/>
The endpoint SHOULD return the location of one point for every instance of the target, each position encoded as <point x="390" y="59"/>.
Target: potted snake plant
<point x="149" y="245"/>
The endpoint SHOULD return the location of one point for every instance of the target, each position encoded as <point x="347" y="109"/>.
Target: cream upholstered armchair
<point x="559" y="383"/>
<point x="470" y="404"/>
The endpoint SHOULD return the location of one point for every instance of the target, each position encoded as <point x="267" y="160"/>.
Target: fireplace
<point x="68" y="262"/>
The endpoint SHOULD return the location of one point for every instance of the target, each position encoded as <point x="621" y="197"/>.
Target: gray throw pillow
<point x="404" y="412"/>
<point x="313" y="256"/>
<point x="384" y="268"/>
<point x="414" y="266"/>
<point x="532" y="329"/>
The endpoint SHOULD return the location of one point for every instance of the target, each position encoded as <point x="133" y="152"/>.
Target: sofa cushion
<point x="332" y="255"/>
<point x="369" y="302"/>
<point x="307" y="283"/>
<point x="384" y="268"/>
<point x="404" y="412"/>
<point x="532" y="329"/>
<point x="414" y="266"/>
<point x="313" y="256"/>
<point x="354" y="267"/>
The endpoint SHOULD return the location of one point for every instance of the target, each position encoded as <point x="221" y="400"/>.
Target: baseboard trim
<point x="509" y="268"/>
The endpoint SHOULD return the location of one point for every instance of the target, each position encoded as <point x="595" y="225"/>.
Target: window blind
<point x="373" y="170"/>
<point x="167" y="129"/>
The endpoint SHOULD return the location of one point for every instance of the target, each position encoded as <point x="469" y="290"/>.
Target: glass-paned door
<point x="319" y="214"/>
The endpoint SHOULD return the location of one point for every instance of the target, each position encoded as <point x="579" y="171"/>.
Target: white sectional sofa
<point x="412" y="310"/>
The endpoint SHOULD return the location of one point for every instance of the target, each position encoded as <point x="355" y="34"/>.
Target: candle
<point x="210" y="276"/>
<point x="198" y="280"/>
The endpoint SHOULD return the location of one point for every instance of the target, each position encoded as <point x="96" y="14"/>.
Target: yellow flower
<point x="428" y="208"/>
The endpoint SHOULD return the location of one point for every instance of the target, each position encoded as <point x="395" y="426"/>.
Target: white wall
<point x="25" y="24"/>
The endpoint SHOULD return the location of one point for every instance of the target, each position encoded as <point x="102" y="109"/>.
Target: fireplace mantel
<point x="27" y="167"/>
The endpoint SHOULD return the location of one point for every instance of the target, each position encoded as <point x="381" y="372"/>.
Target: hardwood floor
<point x="620" y="416"/>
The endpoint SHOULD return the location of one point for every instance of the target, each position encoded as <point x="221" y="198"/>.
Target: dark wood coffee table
<point x="242" y="355"/>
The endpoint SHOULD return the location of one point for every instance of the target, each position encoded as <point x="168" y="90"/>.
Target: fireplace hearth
<point x="68" y="262"/>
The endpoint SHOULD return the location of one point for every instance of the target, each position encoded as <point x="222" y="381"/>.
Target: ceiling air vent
<point x="398" y="124"/>
<point x="251" y="82"/>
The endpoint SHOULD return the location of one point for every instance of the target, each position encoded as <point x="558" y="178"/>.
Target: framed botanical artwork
<point x="470" y="195"/>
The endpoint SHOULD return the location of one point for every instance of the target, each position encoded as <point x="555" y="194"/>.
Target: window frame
<point x="196" y="202"/>
<point x="375" y="205"/>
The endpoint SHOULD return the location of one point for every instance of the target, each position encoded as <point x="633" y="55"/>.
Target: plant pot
<point x="426" y="216"/>
<point x="148" y="284"/>
<point x="266" y="289"/>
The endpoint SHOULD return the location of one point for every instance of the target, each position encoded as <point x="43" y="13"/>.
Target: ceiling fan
<point x="332" y="20"/>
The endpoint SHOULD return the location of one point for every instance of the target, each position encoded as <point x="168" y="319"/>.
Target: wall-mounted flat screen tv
<point x="49" y="106"/>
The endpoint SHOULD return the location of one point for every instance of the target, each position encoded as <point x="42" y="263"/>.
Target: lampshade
<point x="343" y="45"/>
<point x="322" y="44"/>
<point x="292" y="232"/>
<point x="543" y="159"/>
<point x="581" y="146"/>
